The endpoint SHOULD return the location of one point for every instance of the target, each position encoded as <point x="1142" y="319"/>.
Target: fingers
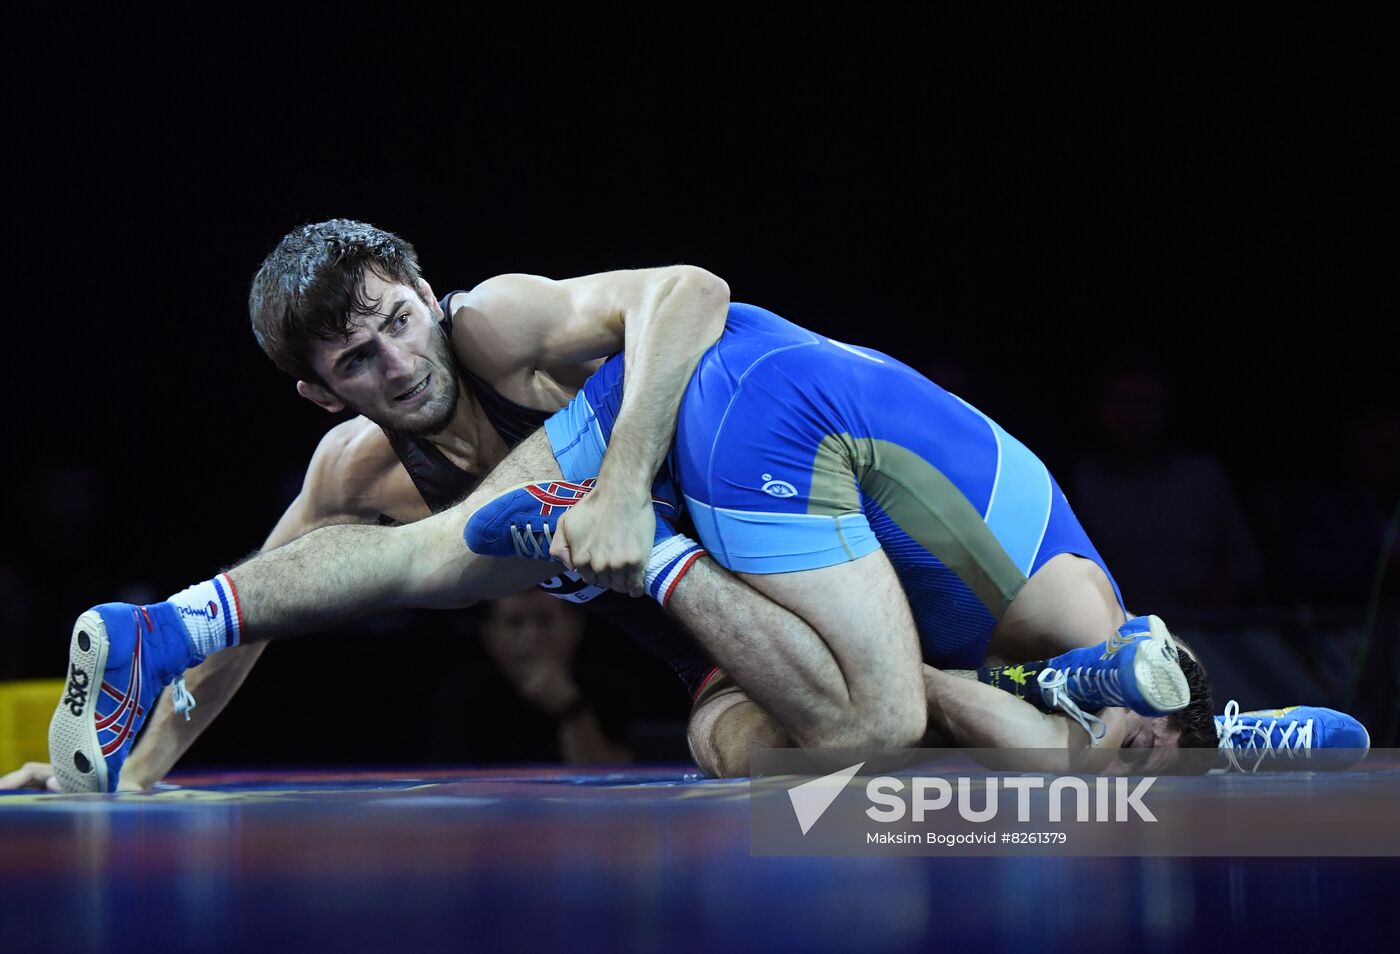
<point x="559" y="548"/>
<point x="623" y="576"/>
<point x="30" y="775"/>
<point x="611" y="553"/>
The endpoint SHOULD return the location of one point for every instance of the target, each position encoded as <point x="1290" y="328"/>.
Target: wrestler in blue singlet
<point x="795" y="452"/>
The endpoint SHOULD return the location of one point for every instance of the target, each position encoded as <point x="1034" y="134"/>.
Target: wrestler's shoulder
<point x="495" y="324"/>
<point x="355" y="473"/>
<point x="354" y="443"/>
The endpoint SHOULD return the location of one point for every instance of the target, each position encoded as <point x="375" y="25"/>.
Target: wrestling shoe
<point x="118" y="659"/>
<point x="521" y="522"/>
<point x="1295" y="737"/>
<point x="1135" y="668"/>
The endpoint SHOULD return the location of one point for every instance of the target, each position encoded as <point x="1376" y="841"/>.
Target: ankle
<point x="210" y="615"/>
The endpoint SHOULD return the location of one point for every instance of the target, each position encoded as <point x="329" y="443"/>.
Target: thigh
<point x="861" y="614"/>
<point x="450" y="574"/>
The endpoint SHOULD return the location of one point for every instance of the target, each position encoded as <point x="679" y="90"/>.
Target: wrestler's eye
<point x="401" y="320"/>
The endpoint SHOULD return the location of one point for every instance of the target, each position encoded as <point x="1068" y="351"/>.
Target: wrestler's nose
<point x="399" y="362"/>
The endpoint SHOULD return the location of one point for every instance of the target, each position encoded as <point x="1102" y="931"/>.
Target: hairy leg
<point x="862" y="616"/>
<point x="336" y="573"/>
<point x="831" y="653"/>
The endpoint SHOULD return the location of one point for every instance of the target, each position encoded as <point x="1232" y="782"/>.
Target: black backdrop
<point x="1034" y="195"/>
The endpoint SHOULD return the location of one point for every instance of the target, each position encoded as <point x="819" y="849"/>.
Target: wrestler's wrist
<point x="137" y="779"/>
<point x="621" y="492"/>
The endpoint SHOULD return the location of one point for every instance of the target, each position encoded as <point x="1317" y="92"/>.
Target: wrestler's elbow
<point x="708" y="296"/>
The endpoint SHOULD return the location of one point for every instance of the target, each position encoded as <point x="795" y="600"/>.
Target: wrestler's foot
<point x="521" y="522"/>
<point x="1295" y="734"/>
<point x="118" y="659"/>
<point x="1136" y="668"/>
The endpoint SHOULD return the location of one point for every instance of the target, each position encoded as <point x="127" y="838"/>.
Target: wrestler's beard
<point x="436" y="415"/>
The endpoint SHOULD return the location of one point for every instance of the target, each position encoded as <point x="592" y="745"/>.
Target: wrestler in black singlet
<point x="442" y="483"/>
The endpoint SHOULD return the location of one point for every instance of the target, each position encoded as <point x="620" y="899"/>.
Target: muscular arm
<point x="727" y="726"/>
<point x="665" y="318"/>
<point x="348" y="478"/>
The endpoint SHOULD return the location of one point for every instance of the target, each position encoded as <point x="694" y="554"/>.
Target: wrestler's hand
<point x="39" y="775"/>
<point x="607" y="538"/>
<point x="31" y="775"/>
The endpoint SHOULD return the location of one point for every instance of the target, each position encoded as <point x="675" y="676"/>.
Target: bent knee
<point x="893" y="724"/>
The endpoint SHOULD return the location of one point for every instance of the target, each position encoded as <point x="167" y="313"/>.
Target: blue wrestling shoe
<point x="1135" y="668"/>
<point x="521" y="522"/>
<point x="1295" y="737"/>
<point x="119" y="658"/>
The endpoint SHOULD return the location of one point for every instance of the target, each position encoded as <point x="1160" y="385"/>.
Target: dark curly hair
<point x="1196" y="722"/>
<point x="310" y="287"/>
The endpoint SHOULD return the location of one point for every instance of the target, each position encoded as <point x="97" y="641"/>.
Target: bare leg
<point x="862" y="616"/>
<point x="336" y="573"/>
<point x="851" y="679"/>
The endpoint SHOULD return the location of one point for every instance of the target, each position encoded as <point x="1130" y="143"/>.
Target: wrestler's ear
<point x="426" y="291"/>
<point x="320" y="396"/>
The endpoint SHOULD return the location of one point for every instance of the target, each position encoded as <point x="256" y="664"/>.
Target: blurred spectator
<point x="1164" y="519"/>
<point x="534" y="638"/>
<point x="538" y="686"/>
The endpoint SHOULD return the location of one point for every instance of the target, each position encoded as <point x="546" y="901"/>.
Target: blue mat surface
<point x="653" y="859"/>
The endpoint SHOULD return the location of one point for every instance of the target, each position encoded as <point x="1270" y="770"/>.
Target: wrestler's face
<point x="1148" y="732"/>
<point x="396" y="365"/>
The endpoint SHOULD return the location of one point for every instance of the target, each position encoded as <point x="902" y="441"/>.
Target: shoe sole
<point x="1158" y="673"/>
<point x="73" y="735"/>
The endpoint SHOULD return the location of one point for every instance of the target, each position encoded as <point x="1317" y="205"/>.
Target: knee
<point x="890" y="724"/>
<point x="720" y="739"/>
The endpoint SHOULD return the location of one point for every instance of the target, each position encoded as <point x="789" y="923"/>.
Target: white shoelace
<point x="181" y="698"/>
<point x="1054" y="684"/>
<point x="1102" y="682"/>
<point x="1253" y="737"/>
<point x="527" y="542"/>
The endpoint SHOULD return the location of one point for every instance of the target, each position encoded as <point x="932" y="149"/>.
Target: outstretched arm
<point x="726" y="725"/>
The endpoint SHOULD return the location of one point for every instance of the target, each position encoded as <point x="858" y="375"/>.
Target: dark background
<point x="1035" y="196"/>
